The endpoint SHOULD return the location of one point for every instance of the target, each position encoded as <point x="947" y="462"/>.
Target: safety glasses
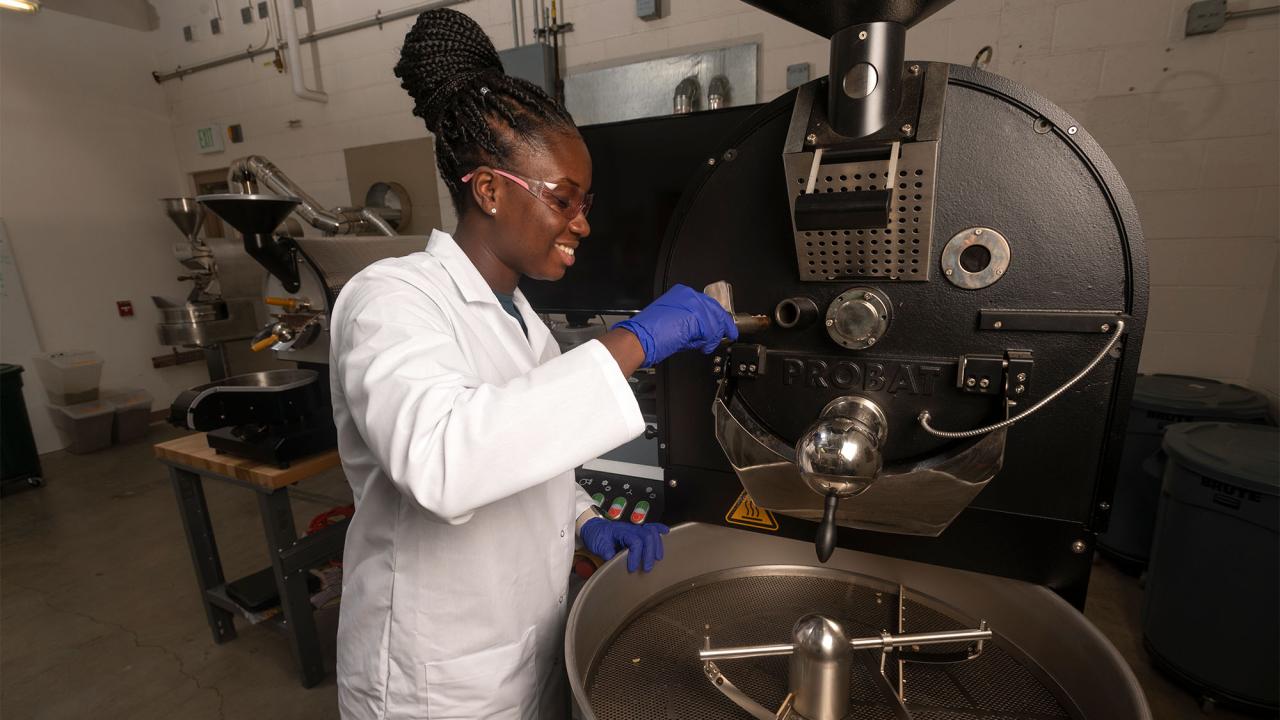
<point x="566" y="199"/>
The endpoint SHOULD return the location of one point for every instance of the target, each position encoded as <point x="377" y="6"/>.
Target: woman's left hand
<point x="606" y="537"/>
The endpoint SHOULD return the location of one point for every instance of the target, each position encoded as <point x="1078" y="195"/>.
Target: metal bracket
<point x="1079" y="321"/>
<point x="747" y="361"/>
<point x="1208" y="16"/>
<point x="1009" y="375"/>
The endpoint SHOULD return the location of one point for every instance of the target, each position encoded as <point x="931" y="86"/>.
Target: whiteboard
<point x="19" y="343"/>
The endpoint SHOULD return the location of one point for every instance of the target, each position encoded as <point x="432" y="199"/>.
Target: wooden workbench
<point x="191" y="461"/>
<point x="193" y="451"/>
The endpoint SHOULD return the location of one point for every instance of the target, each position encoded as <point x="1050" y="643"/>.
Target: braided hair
<point x="477" y="113"/>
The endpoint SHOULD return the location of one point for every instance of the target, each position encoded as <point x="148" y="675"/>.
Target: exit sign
<point x="209" y="139"/>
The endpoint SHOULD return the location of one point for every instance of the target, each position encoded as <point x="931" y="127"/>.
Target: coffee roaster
<point x="279" y="416"/>
<point x="221" y="306"/>
<point x="891" y="484"/>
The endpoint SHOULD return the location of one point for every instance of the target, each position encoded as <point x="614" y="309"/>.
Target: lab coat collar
<point x="464" y="273"/>
<point x="474" y="289"/>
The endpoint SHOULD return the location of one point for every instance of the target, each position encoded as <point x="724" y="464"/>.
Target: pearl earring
<point x="493" y="211"/>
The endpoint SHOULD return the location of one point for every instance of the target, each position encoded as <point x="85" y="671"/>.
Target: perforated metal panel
<point x="898" y="252"/>
<point x="650" y="670"/>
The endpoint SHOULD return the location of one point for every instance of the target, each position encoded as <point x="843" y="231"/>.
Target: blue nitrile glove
<point x="606" y="537"/>
<point x="682" y="319"/>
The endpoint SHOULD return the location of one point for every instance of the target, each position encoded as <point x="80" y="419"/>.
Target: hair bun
<point x="443" y="52"/>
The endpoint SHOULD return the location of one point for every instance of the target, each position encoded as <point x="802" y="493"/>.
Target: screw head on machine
<point x="1078" y="547"/>
<point x="862" y="35"/>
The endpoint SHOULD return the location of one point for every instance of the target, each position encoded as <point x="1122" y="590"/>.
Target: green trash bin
<point x="19" y="461"/>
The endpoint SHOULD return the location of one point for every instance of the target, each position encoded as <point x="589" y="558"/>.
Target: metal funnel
<point x="257" y="217"/>
<point x="250" y="214"/>
<point x="186" y="213"/>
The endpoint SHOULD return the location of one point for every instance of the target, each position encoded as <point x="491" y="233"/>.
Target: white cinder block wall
<point x="1190" y="122"/>
<point x="85" y="153"/>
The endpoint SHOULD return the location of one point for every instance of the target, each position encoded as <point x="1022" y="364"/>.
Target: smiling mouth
<point x="565" y="249"/>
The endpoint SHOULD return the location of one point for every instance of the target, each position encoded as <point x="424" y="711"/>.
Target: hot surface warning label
<point x="746" y="513"/>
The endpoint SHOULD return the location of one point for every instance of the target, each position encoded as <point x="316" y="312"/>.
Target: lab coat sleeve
<point x="582" y="502"/>
<point x="451" y="442"/>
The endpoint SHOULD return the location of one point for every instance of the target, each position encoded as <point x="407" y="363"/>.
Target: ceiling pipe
<point x="377" y="20"/>
<point x="295" y="61"/>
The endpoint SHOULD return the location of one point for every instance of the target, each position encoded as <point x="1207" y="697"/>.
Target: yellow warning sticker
<point x="746" y="513"/>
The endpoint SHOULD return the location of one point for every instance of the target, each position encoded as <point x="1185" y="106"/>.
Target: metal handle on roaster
<point x="924" y="416"/>
<point x="722" y="292"/>
<point x="883" y="641"/>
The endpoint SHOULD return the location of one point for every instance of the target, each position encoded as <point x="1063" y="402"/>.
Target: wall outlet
<point x="262" y="9"/>
<point x="188" y="34"/>
<point x="246" y="14"/>
<point x="215" y="26"/>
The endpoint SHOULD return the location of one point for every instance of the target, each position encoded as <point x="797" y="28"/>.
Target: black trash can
<point x="1160" y="401"/>
<point x="19" y="461"/>
<point x="1210" y="615"/>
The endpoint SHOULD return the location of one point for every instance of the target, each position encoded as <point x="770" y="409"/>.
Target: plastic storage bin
<point x="132" y="415"/>
<point x="86" y="427"/>
<point x="70" y="377"/>
<point x="1160" y="401"/>
<point x="1209" y="614"/>
<point x="19" y="461"/>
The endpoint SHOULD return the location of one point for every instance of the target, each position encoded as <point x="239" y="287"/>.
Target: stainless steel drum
<point x="632" y="640"/>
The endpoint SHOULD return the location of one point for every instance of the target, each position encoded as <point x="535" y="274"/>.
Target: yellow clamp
<point x="289" y="304"/>
<point x="265" y="343"/>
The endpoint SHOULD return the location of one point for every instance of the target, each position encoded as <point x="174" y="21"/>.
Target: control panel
<point x="623" y="497"/>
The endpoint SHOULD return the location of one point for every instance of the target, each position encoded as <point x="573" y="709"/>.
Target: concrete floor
<point x="99" y="614"/>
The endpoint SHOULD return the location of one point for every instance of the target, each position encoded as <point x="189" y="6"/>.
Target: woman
<point x="460" y="423"/>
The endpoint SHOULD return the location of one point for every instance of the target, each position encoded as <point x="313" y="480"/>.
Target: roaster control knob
<point x="840" y="456"/>
<point x="841" y="452"/>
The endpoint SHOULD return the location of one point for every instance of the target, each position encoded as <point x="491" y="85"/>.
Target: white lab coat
<point x="459" y="436"/>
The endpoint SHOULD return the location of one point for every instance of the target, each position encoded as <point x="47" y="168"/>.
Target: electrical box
<point x="648" y="9"/>
<point x="534" y="62"/>
<point x="797" y="75"/>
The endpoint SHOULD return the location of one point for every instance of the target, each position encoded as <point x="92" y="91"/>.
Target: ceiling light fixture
<point x="26" y="6"/>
